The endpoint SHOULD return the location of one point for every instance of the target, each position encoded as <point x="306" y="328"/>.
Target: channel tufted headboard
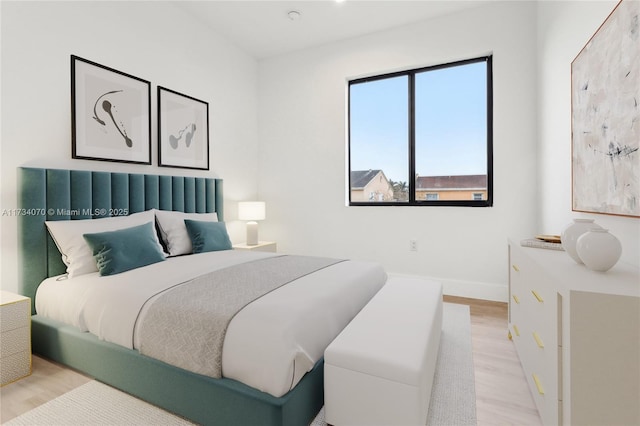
<point x="54" y="194"/>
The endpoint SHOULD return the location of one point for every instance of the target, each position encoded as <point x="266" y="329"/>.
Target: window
<point x="423" y="137"/>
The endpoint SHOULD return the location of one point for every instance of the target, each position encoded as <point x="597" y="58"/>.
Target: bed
<point x="51" y="194"/>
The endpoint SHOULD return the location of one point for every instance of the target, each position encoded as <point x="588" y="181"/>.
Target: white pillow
<point x="174" y="231"/>
<point x="76" y="254"/>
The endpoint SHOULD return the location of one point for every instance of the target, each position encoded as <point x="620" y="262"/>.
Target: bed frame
<point x="52" y="194"/>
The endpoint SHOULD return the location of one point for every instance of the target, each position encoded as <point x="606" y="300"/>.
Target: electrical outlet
<point x="413" y="245"/>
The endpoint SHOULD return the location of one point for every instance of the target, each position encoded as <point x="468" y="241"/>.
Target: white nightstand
<point x="261" y="246"/>
<point x="15" y="337"/>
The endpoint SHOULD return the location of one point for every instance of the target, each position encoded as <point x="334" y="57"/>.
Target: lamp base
<point x="252" y="233"/>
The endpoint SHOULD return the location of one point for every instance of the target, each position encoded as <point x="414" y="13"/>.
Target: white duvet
<point x="269" y="345"/>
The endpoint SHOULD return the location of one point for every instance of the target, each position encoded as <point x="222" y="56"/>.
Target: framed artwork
<point x="183" y="131"/>
<point x="605" y="117"/>
<point x="111" y="114"/>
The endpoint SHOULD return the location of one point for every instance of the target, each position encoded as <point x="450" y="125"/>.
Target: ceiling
<point x="262" y="28"/>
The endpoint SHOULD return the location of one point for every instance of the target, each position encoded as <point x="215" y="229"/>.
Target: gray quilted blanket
<point x="185" y="326"/>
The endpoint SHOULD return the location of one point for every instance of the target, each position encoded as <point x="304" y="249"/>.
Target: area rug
<point x="452" y="399"/>
<point x="97" y="404"/>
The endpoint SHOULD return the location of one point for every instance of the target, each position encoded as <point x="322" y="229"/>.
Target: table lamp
<point x="251" y="211"/>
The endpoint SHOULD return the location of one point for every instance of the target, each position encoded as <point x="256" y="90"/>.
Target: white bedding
<point x="269" y="345"/>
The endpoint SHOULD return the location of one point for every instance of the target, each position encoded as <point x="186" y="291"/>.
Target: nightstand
<point x="261" y="246"/>
<point x="15" y="337"/>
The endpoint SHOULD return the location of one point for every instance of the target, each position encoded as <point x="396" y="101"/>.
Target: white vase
<point x="572" y="232"/>
<point x="598" y="249"/>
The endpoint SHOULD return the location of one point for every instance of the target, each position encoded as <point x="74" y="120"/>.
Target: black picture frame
<point x="183" y="130"/>
<point x="110" y="114"/>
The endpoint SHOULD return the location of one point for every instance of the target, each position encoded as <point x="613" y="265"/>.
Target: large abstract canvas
<point x="605" y="96"/>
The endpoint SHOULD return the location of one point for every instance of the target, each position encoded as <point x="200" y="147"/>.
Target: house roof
<point x="451" y="182"/>
<point x="360" y="178"/>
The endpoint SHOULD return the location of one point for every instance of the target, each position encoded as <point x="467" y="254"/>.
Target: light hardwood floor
<point x="502" y="395"/>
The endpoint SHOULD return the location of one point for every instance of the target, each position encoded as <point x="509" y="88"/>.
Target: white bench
<point x="379" y="370"/>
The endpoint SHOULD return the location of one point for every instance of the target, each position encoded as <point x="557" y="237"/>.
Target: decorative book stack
<point x="550" y="242"/>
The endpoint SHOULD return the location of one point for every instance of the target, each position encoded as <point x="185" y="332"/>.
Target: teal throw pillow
<point x="124" y="249"/>
<point x="207" y="236"/>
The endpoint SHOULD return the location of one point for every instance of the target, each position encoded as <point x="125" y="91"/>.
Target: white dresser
<point x="15" y="337"/>
<point x="577" y="333"/>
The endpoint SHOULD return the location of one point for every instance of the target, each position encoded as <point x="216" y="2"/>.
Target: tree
<point x="400" y="190"/>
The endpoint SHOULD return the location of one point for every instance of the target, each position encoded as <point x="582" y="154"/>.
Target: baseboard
<point x="470" y="289"/>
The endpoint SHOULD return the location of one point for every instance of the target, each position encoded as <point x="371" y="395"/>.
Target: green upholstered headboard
<point x="53" y="194"/>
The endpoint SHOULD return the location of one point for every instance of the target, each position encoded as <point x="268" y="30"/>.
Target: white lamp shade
<point x="251" y="210"/>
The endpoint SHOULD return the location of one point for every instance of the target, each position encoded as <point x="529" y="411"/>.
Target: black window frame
<point x="411" y="74"/>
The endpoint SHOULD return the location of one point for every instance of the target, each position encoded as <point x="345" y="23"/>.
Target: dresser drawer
<point x="546" y="400"/>
<point x="516" y="314"/>
<point x="15" y="315"/>
<point x="14" y="341"/>
<point x="15" y="367"/>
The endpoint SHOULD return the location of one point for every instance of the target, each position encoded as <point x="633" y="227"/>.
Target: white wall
<point x="300" y="99"/>
<point x="302" y="151"/>
<point x="561" y="36"/>
<point x="151" y="40"/>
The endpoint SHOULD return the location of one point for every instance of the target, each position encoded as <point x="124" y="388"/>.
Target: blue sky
<point x="450" y="123"/>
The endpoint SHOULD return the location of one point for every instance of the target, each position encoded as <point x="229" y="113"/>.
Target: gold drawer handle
<point x="515" y="328"/>
<point x="537" y="296"/>
<point x="516" y="299"/>
<point x="538" y="340"/>
<point x="538" y="384"/>
<point x="515" y="268"/>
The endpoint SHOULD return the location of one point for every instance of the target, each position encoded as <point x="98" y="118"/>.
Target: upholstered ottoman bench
<point x="379" y="370"/>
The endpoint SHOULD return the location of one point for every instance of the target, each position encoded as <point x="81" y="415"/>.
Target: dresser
<point x="15" y="337"/>
<point x="577" y="334"/>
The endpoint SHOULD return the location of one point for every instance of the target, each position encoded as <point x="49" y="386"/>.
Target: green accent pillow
<point x="207" y="236"/>
<point x="124" y="249"/>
